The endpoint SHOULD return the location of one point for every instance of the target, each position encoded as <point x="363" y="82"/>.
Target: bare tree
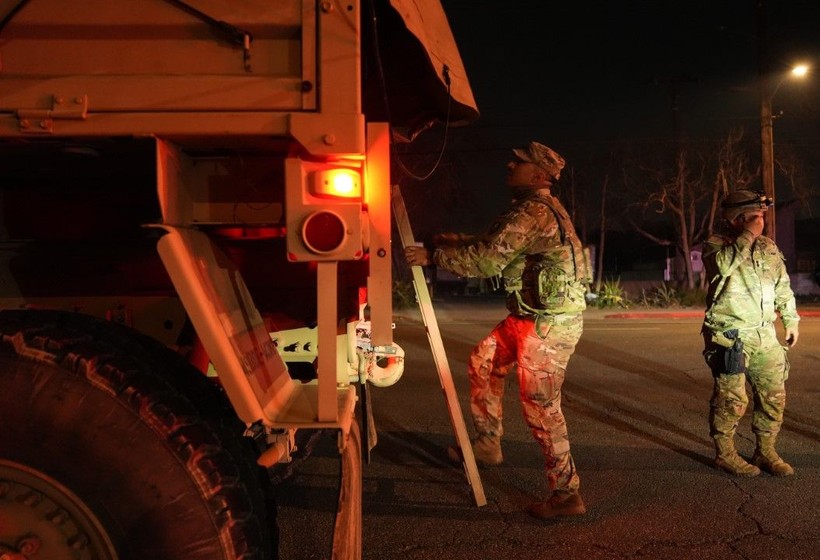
<point x="689" y="197"/>
<point x="678" y="196"/>
<point x="732" y="173"/>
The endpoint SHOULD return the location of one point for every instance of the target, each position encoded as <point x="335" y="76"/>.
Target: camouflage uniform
<point x="747" y="284"/>
<point x="535" y="248"/>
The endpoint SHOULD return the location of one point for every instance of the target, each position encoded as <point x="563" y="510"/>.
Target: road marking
<point x="587" y="328"/>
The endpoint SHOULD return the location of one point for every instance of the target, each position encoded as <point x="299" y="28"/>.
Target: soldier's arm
<point x="422" y="256"/>
<point x="489" y="255"/>
<point x="727" y="256"/>
<point x="784" y="301"/>
<point x="452" y="239"/>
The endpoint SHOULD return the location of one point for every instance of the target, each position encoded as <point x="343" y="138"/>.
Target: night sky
<point x="585" y="77"/>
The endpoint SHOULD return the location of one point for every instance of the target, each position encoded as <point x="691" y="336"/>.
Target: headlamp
<point x="759" y="199"/>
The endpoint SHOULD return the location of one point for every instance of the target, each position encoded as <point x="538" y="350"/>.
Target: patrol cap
<point x="740" y="201"/>
<point x="543" y="157"/>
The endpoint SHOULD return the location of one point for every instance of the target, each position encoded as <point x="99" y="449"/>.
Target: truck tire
<point x="113" y="447"/>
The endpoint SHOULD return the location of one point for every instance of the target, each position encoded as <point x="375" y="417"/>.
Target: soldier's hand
<point x="754" y="223"/>
<point x="417" y="256"/>
<point x="791" y="337"/>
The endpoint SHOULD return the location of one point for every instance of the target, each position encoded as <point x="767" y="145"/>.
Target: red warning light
<point x="324" y="232"/>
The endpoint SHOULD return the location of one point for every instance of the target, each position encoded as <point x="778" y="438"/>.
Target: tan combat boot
<point x="487" y="451"/>
<point x="560" y="504"/>
<point x="729" y="461"/>
<point x="767" y="458"/>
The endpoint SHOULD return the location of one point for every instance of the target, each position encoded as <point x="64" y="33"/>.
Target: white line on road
<point x="586" y="328"/>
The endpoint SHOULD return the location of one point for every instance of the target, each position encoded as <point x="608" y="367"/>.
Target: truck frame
<point x="195" y="259"/>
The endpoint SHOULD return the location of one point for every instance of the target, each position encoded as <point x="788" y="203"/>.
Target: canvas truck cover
<point x="438" y="72"/>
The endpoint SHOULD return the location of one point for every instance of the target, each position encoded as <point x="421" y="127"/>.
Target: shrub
<point x="660" y="296"/>
<point x="612" y="294"/>
<point x="667" y="296"/>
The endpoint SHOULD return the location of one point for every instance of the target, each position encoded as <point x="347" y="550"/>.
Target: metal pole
<point x="767" y="158"/>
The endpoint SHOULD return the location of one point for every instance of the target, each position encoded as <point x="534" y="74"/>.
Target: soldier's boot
<point x="767" y="458"/>
<point x="486" y="449"/>
<point x="560" y="504"/>
<point x="729" y="461"/>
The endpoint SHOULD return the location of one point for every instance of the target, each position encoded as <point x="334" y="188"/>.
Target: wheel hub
<point x="42" y="519"/>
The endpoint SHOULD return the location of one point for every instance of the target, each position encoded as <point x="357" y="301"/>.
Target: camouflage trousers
<point x="767" y="368"/>
<point x="541" y="359"/>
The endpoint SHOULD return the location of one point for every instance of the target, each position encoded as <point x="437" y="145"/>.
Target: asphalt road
<point x="636" y="402"/>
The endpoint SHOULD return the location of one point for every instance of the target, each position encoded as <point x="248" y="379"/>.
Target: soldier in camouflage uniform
<point x="748" y="283"/>
<point x="534" y="247"/>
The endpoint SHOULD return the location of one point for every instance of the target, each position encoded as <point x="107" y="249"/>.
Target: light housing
<point x="325" y="215"/>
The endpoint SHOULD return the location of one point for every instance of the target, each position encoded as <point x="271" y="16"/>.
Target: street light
<point x="766" y="140"/>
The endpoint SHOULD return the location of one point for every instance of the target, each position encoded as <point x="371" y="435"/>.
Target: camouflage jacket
<point x="748" y="283"/>
<point x="528" y="231"/>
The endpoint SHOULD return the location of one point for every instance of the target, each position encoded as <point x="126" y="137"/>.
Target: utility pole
<point x="766" y="121"/>
<point x="767" y="159"/>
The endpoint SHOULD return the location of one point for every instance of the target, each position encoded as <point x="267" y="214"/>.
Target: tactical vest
<point x="554" y="280"/>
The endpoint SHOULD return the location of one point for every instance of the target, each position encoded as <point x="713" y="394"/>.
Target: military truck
<point x="195" y="259"/>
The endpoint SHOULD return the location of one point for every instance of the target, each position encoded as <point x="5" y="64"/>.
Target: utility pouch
<point x="733" y="359"/>
<point x="552" y="284"/>
<point x="544" y="285"/>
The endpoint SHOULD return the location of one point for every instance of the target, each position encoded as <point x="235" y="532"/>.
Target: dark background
<point x="589" y="79"/>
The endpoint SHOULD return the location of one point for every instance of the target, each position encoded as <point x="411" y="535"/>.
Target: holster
<point x="733" y="359"/>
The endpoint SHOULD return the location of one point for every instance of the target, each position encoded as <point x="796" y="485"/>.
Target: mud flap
<point x="347" y="533"/>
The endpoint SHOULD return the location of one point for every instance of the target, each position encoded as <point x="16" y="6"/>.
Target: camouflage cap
<point x="543" y="157"/>
<point x="740" y="201"/>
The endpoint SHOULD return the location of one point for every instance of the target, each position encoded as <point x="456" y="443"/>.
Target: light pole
<point x="767" y="140"/>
